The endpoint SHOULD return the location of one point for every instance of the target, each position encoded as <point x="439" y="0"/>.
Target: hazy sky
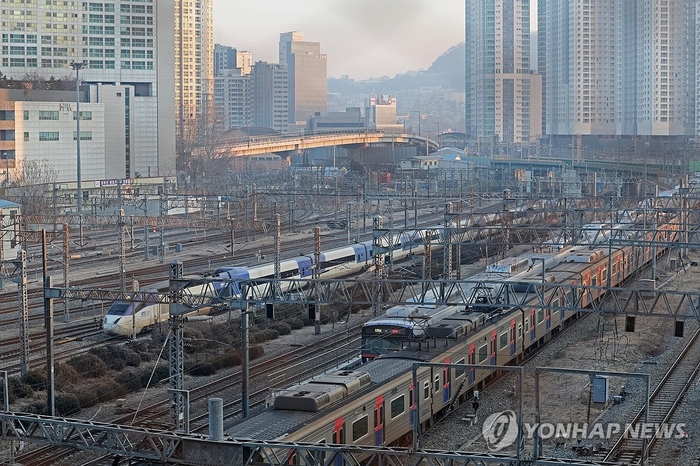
<point x="362" y="38"/>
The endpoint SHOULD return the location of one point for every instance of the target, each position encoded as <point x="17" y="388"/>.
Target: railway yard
<point x="541" y="244"/>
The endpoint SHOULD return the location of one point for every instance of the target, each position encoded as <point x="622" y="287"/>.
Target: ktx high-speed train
<point x="374" y="403"/>
<point x="339" y="262"/>
<point x="335" y="263"/>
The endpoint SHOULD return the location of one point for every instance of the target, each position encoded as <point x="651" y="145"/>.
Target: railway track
<point x="297" y="364"/>
<point x="629" y="449"/>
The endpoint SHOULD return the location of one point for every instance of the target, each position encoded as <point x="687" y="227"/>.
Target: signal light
<point x="629" y="323"/>
<point x="270" y="311"/>
<point x="312" y="311"/>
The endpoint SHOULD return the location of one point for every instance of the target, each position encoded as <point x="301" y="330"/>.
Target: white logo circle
<point x="500" y="430"/>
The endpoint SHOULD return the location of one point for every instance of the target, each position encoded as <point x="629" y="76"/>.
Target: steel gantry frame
<point x="191" y="449"/>
<point x="184" y="449"/>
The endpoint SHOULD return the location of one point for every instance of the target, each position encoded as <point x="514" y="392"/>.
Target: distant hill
<point x="447" y="71"/>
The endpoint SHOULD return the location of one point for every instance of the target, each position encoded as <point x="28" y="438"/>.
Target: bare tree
<point x="31" y="184"/>
<point x="198" y="155"/>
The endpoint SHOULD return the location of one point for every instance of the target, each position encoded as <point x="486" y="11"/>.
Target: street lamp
<point x="77" y="66"/>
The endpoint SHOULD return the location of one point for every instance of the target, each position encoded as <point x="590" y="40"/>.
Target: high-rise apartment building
<point x="194" y="65"/>
<point x="270" y="96"/>
<point x="498" y="84"/>
<point x="618" y="67"/>
<point x="234" y="98"/>
<point x="127" y="51"/>
<point x="308" y="76"/>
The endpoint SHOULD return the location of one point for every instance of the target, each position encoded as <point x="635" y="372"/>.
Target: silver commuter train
<point x="374" y="404"/>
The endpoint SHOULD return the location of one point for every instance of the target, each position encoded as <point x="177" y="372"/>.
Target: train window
<point x="605" y="275"/>
<point x="460" y="371"/>
<point x="527" y="323"/>
<point x="594" y="280"/>
<point x="483" y="354"/>
<point x="360" y="428"/>
<point x="503" y="340"/>
<point x="520" y="329"/>
<point x="540" y="316"/>
<point x="614" y="269"/>
<point x="436" y="388"/>
<point x="426" y="390"/>
<point x="398" y="406"/>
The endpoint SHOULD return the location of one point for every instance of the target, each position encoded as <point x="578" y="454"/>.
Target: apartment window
<point x="48" y="135"/>
<point x="26" y="115"/>
<point x="26" y="136"/>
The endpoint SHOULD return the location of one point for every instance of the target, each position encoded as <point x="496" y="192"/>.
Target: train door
<point x="512" y="338"/>
<point x="412" y="404"/>
<point x="548" y="319"/>
<point x="470" y="360"/>
<point x="562" y="303"/>
<point x="379" y="420"/>
<point x="446" y="383"/>
<point x="533" y="335"/>
<point x="493" y="348"/>
<point x="338" y="438"/>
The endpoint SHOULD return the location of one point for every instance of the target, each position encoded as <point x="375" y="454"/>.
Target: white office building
<point x="127" y="48"/>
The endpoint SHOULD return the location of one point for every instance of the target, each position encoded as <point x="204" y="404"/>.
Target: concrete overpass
<point x="299" y="142"/>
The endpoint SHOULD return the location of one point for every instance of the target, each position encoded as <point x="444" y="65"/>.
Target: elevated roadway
<point x="300" y="142"/>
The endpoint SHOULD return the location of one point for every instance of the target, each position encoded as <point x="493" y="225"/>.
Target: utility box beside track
<point x="601" y="389"/>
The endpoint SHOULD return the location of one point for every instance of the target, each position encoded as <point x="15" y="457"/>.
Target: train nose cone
<point x="110" y="325"/>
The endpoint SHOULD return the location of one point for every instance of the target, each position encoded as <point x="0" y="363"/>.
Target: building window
<point x="48" y="114"/>
<point x="26" y="136"/>
<point x="26" y="115"/>
<point x="84" y="135"/>
<point x="48" y="135"/>
<point x="83" y="115"/>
